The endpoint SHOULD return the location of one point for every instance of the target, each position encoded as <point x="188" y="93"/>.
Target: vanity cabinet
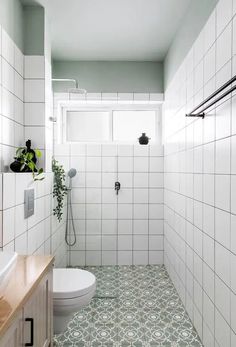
<point x="37" y="316"/>
<point x="13" y="336"/>
<point x="32" y="323"/>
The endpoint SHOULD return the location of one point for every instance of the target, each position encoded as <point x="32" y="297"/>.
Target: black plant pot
<point x="143" y="140"/>
<point x="16" y="165"/>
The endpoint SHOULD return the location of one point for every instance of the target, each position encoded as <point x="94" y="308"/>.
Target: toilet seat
<point x="72" y="283"/>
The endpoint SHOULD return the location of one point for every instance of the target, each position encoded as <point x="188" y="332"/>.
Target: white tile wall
<point x="36" y="234"/>
<point x="123" y="229"/>
<point x="200" y="183"/>
<point x="22" y="90"/>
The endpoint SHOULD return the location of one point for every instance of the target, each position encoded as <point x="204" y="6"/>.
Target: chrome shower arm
<point x="66" y="80"/>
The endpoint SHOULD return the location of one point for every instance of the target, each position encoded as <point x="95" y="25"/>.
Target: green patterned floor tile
<point x="134" y="306"/>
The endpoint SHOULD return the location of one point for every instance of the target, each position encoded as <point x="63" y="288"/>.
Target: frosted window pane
<point x="86" y="126"/>
<point x="129" y="125"/>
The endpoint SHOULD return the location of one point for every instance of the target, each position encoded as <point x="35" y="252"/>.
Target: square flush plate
<point x="29" y="202"/>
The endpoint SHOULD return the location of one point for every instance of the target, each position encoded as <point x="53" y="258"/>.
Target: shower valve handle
<point x="117" y="187"/>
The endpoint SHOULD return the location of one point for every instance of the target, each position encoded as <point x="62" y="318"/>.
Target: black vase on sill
<point x="143" y="140"/>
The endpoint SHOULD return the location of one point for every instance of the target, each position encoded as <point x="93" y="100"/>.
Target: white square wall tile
<point x="109" y="179"/>
<point x="35" y="114"/>
<point x="8" y="225"/>
<point x="223" y="156"/>
<point x="222" y="263"/>
<point x="7" y="48"/>
<point x="125" y="257"/>
<point x="9" y="190"/>
<point x="141" y="195"/>
<point x="222" y="227"/>
<point x="94" y="150"/>
<point x="109" y="164"/>
<point x="109" y="196"/>
<point x="93" y="227"/>
<point x="34" y="90"/>
<point x="141" y="164"/>
<point x="140" y="227"/>
<point x="125" y="211"/>
<point x="233" y="194"/>
<point x="125" y="179"/>
<point x="93" y="258"/>
<point x="125" y="196"/>
<point x="125" y="242"/>
<point x="34" y="66"/>
<point x="141" y="151"/>
<point x="222" y="192"/>
<point x="109" y="150"/>
<point x="141" y="211"/>
<point x="78" y="149"/>
<point x="18" y="61"/>
<point x="109" y="258"/>
<point x="93" y="242"/>
<point x="141" y="180"/>
<point x="93" y="211"/>
<point x="156" y="227"/>
<point x="93" y="180"/>
<point x="156" y="211"/>
<point x="125" y="150"/>
<point x="125" y="164"/>
<point x="156" y="164"/>
<point x="109" y="227"/>
<point x="125" y="226"/>
<point x="109" y="242"/>
<point x="156" y="150"/>
<point x="223" y="15"/>
<point x="140" y="257"/>
<point x="156" y="242"/>
<point x="93" y="164"/>
<point x="109" y="211"/>
<point x="222" y="299"/>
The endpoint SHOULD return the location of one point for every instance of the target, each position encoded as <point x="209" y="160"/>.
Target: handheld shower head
<point x="72" y="172"/>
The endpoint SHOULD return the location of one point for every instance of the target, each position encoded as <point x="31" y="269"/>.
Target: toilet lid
<point x="72" y="283"/>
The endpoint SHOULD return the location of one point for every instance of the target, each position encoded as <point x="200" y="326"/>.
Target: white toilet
<point x="72" y="290"/>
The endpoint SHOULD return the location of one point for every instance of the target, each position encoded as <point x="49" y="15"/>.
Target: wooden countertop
<point x="19" y="284"/>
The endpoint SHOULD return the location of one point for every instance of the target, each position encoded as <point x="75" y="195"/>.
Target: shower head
<point x="77" y="91"/>
<point x="72" y="172"/>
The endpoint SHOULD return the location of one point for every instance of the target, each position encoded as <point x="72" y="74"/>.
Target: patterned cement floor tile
<point x="134" y="306"/>
<point x="104" y="333"/>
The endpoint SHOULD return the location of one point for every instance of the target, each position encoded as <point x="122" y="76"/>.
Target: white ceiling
<point x="125" y="30"/>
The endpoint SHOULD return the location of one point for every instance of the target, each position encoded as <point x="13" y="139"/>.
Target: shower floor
<point x="143" y="310"/>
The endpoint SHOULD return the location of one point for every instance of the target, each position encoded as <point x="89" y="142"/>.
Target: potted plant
<point x="59" y="188"/>
<point x="26" y="161"/>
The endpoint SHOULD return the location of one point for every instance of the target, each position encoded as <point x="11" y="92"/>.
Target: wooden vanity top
<point x="18" y="285"/>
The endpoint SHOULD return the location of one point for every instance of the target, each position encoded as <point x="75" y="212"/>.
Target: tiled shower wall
<point x="200" y="182"/>
<point x="111" y="229"/>
<point x="25" y="94"/>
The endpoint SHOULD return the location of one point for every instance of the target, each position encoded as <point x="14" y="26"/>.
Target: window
<point x="117" y="123"/>
<point x="128" y="126"/>
<point x="87" y="126"/>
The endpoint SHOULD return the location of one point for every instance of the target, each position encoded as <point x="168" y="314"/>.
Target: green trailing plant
<point x="59" y="188"/>
<point x="27" y="162"/>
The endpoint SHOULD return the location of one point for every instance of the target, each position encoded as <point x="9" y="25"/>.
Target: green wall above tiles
<point x="11" y="19"/>
<point x="111" y="76"/>
<point x="24" y="24"/>
<point x="195" y="19"/>
<point x="33" y="30"/>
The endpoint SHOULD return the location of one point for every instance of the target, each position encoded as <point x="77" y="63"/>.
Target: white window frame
<point x="63" y="109"/>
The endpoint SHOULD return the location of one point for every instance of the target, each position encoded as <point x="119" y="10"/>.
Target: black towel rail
<point x="203" y="107"/>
